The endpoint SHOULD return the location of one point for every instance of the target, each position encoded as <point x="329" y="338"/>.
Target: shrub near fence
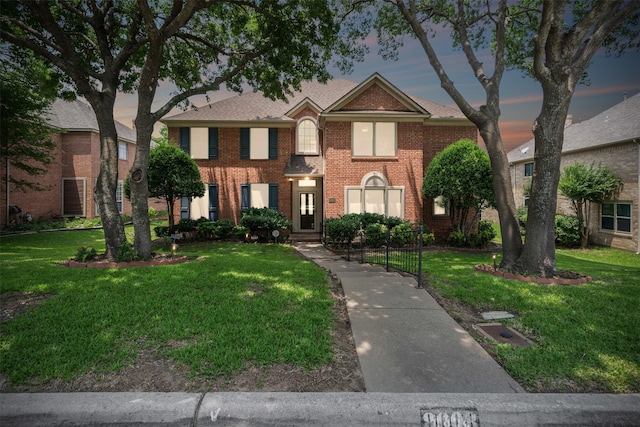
<point x="392" y="242"/>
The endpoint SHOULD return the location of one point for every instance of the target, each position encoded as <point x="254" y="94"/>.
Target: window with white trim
<point x="616" y="216"/>
<point x="374" y="195"/>
<point x="307" y="136"/>
<point x="528" y="169"/>
<point x="373" y="139"/>
<point x="123" y="153"/>
<point x="439" y="206"/>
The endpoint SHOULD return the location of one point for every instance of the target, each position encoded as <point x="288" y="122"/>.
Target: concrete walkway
<point x="406" y="342"/>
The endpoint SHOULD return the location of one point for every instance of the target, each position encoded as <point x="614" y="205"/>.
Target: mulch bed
<point x="563" y="277"/>
<point x="103" y="262"/>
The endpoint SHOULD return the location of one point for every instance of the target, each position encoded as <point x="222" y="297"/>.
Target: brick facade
<point x="77" y="156"/>
<point x="623" y="160"/>
<point x="419" y="138"/>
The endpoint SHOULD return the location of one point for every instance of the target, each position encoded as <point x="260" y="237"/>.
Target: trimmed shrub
<point x="127" y="253"/>
<point x="428" y="239"/>
<point x="266" y="219"/>
<point x="161" y="231"/>
<point x="341" y="231"/>
<point x="485" y="234"/>
<point x="85" y="253"/>
<point x="403" y="234"/>
<point x="206" y="230"/>
<point x="456" y="238"/>
<point x="223" y="228"/>
<point x="568" y="230"/>
<point x="376" y="235"/>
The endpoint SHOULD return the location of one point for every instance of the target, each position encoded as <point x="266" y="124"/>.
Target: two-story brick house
<point x="611" y="138"/>
<point x="71" y="177"/>
<point x="332" y="149"/>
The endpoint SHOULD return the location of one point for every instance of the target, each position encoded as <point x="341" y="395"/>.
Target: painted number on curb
<point x="449" y="417"/>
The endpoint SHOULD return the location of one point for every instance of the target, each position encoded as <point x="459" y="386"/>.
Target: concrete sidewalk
<point x="406" y="342"/>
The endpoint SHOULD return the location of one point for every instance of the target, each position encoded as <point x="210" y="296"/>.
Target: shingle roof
<point x="304" y="165"/>
<point x="254" y="106"/>
<point x="78" y="116"/>
<point x="617" y="124"/>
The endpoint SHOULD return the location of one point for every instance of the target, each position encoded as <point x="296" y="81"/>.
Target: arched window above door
<point x="307" y="136"/>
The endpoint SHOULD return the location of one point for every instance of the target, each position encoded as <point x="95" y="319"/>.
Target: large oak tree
<point x="110" y="46"/>
<point x="553" y="39"/>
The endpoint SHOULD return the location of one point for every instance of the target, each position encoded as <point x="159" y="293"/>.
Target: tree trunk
<point x="106" y="186"/>
<point x="139" y="187"/>
<point x="539" y="252"/>
<point x="506" y="206"/>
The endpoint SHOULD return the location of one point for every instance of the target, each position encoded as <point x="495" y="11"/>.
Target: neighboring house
<point x="71" y="177"/>
<point x="613" y="139"/>
<point x="333" y="149"/>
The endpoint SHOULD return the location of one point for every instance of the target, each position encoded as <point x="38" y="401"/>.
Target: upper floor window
<point x="200" y="143"/>
<point x="307" y="137"/>
<point x="374" y="139"/>
<point x="122" y="151"/>
<point x="528" y="169"/>
<point x="258" y="143"/>
<point x="616" y="216"/>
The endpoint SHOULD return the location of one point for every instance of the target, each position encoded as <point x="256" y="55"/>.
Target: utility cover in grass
<point x="495" y="315"/>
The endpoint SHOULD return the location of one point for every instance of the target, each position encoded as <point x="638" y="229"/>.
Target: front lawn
<point x="586" y="337"/>
<point x="235" y="306"/>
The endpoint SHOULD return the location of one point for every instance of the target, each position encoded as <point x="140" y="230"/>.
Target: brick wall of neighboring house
<point x="623" y="160"/>
<point x="41" y="205"/>
<point x="77" y="157"/>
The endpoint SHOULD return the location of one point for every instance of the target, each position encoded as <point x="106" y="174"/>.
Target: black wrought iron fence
<point x="398" y="249"/>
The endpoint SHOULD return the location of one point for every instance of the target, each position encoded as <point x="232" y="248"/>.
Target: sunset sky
<point x="610" y="78"/>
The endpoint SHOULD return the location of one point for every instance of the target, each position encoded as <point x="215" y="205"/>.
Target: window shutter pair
<point x="185" y="141"/>
<point x="245" y="150"/>
<point x="245" y="197"/>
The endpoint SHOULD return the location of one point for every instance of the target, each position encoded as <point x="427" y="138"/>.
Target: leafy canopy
<point x="593" y="183"/>
<point x="461" y="174"/>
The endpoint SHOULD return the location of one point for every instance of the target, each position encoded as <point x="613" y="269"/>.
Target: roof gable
<point x="376" y="94"/>
<point x="619" y="123"/>
<point x="78" y="116"/>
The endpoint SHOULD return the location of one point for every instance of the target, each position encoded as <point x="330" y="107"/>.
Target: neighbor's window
<point x="528" y="169"/>
<point x="307" y="137"/>
<point x="372" y="139"/>
<point x="119" y="192"/>
<point x="616" y="216"/>
<point x="122" y="151"/>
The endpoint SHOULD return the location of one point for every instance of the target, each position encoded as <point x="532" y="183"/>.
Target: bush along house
<point x="332" y="149"/>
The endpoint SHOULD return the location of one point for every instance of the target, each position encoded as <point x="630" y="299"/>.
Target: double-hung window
<point x="122" y="151"/>
<point x="616" y="216"/>
<point x="374" y="139"/>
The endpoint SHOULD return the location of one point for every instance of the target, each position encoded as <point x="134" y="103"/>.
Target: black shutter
<point x="185" y="140"/>
<point x="273" y="143"/>
<point x="245" y="201"/>
<point x="244" y="143"/>
<point x="213" y="202"/>
<point x="273" y="196"/>
<point x="213" y="143"/>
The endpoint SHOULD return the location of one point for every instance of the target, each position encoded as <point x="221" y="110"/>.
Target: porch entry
<point x="307" y="214"/>
<point x="307" y="211"/>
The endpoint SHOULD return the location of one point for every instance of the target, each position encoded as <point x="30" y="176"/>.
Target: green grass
<point x="586" y="337"/>
<point x="234" y="306"/>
